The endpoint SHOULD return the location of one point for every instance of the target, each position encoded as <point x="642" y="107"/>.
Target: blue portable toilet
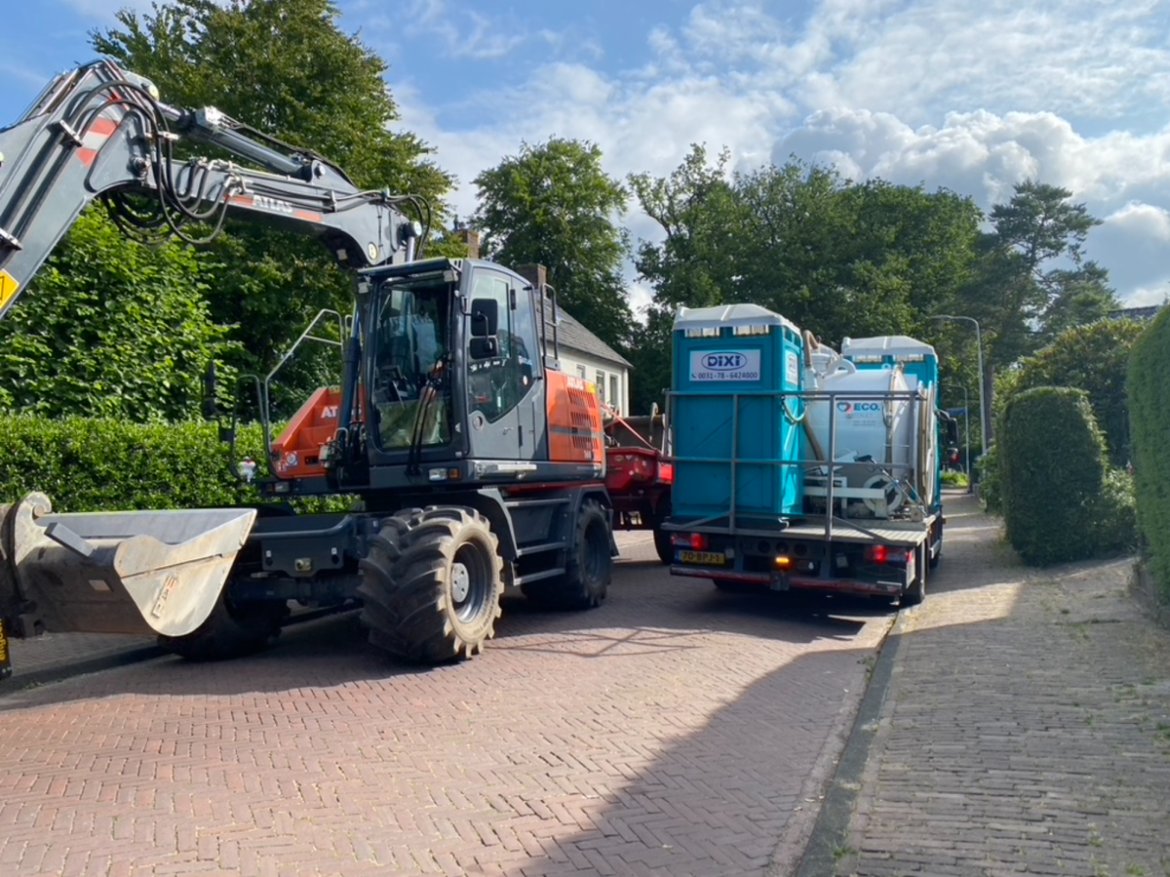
<point x="919" y="363"/>
<point x="735" y="418"/>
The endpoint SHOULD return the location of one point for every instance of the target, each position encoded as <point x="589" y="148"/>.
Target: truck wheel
<point x="663" y="547"/>
<point x="916" y="593"/>
<point x="431" y="584"/>
<point x="230" y="631"/>
<point x="588" y="571"/>
<point x="936" y="536"/>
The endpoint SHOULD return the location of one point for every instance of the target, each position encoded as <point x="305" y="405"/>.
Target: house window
<point x="615" y="397"/>
<point x="600" y="385"/>
<point x="581" y="373"/>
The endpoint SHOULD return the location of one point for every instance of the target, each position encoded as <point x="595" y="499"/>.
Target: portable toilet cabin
<point x="735" y="416"/>
<point x="917" y="363"/>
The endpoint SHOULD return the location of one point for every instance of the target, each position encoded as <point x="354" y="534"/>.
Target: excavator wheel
<point x="230" y="631"/>
<point x="589" y="569"/>
<point x="431" y="584"/>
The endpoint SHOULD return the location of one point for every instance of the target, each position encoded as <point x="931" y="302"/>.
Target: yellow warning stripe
<point x="8" y="288"/>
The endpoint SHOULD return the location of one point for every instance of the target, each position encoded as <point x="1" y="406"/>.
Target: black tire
<point x="916" y="593"/>
<point x="936" y="536"/>
<point x="431" y="584"/>
<point x="663" y="547"/>
<point x="589" y="568"/>
<point x="230" y="631"/>
<point x="662" y="544"/>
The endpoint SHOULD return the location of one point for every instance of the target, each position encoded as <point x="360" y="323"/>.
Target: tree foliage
<point x="1032" y="281"/>
<point x="554" y="205"/>
<point x="110" y="328"/>
<point x="837" y="258"/>
<point x="284" y="68"/>
<point x="1093" y="358"/>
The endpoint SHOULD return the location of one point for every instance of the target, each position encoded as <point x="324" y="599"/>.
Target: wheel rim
<point x="471" y="582"/>
<point x="460" y="582"/>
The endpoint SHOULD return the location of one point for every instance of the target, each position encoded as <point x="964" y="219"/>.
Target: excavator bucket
<point x="119" y="572"/>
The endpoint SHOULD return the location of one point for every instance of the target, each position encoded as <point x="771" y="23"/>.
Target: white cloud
<point x="974" y="97"/>
<point x="1119" y="176"/>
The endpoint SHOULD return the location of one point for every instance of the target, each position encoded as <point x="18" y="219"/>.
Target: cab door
<point x="501" y="361"/>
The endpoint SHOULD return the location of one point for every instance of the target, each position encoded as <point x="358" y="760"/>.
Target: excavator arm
<point x="100" y="133"/>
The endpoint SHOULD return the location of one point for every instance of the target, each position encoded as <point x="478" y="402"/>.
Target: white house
<point x="584" y="354"/>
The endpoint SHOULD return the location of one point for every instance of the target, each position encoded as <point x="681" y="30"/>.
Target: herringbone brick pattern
<point x="1026" y="728"/>
<point x="674" y="731"/>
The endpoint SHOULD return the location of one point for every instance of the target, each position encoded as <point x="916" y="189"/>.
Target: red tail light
<point x="698" y="542"/>
<point x="877" y="553"/>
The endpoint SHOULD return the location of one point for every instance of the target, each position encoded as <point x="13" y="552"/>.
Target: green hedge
<point x="106" y="465"/>
<point x="1149" y="408"/>
<point x="1060" y="500"/>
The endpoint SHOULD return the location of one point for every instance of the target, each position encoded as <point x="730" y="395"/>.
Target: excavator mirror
<point x="485" y="317"/>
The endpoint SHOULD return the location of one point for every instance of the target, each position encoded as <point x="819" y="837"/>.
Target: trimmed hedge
<point x="1149" y="408"/>
<point x="1061" y="502"/>
<point x="107" y="465"/>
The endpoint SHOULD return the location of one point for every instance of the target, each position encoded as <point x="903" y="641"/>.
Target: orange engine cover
<point x="297" y="453"/>
<point x="574" y="420"/>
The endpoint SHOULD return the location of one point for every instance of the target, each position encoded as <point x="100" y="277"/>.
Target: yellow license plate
<point x="707" y="558"/>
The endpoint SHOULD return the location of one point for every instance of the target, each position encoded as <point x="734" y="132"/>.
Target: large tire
<point x="431" y="584"/>
<point x="936" y="557"/>
<point x="916" y="592"/>
<point x="663" y="547"/>
<point x="589" y="567"/>
<point x="662" y="544"/>
<point x="230" y="631"/>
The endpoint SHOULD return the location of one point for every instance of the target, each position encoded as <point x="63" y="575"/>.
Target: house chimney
<point x="470" y="239"/>
<point x="537" y="275"/>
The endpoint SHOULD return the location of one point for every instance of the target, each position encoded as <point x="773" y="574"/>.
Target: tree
<point x="110" y="328"/>
<point x="1093" y="358"/>
<point x="693" y="265"/>
<point x="553" y="204"/>
<point x="282" y="67"/>
<point x="838" y="259"/>
<point x="1020" y="297"/>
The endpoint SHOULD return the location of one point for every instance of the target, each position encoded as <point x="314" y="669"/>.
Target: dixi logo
<point x="724" y="362"/>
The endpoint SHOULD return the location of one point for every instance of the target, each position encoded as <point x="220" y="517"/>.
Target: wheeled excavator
<point x="479" y="464"/>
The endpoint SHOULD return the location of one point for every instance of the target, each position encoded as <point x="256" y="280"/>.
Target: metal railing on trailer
<point x="915" y="514"/>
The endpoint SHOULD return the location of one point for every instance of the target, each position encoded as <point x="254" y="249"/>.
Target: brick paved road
<point x="1026" y="728"/>
<point x="674" y="731"/>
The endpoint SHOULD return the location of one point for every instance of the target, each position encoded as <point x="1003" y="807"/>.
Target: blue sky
<point x="973" y="97"/>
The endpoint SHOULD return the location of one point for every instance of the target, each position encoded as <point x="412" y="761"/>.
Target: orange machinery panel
<point x="574" y="420"/>
<point x="297" y="453"/>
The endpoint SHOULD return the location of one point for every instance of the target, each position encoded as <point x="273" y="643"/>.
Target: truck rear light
<point x="783" y="562"/>
<point x="877" y="554"/>
<point x="693" y="541"/>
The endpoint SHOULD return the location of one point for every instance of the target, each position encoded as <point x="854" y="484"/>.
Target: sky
<point x="971" y="97"/>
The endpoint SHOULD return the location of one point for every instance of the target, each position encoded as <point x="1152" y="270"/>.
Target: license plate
<point x="707" y="558"/>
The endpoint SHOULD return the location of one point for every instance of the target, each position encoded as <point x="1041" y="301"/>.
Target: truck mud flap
<point x="141" y="572"/>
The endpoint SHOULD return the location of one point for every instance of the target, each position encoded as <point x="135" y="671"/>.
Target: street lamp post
<point x="984" y="413"/>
